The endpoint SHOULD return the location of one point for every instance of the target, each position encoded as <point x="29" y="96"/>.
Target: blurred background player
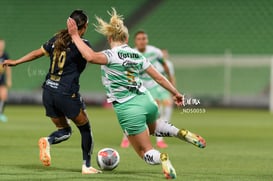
<point x="167" y="104"/>
<point x="61" y="96"/>
<point x="155" y="56"/>
<point x="5" y="81"/>
<point x="136" y="110"/>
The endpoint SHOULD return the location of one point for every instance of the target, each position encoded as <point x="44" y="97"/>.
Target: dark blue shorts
<point x="2" y="79"/>
<point x="60" y="105"/>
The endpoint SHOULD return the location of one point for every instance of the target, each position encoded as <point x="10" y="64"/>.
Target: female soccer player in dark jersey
<point x="61" y="96"/>
<point x="5" y="81"/>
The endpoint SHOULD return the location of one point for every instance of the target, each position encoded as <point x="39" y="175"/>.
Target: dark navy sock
<point x="87" y="143"/>
<point x="59" y="135"/>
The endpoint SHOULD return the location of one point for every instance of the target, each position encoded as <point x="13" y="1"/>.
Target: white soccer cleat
<point x="192" y="138"/>
<point x="167" y="167"/>
<point x="44" y="151"/>
<point x="89" y="170"/>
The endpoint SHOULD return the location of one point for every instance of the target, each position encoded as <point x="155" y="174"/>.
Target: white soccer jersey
<point x="170" y="66"/>
<point x="155" y="57"/>
<point x="120" y="76"/>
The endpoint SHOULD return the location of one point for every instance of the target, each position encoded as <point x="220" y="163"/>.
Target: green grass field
<point x="239" y="147"/>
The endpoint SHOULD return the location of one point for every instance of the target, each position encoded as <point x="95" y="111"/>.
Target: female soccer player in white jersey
<point x="135" y="108"/>
<point x="167" y="102"/>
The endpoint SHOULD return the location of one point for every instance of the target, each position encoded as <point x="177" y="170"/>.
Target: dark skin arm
<point x="27" y="58"/>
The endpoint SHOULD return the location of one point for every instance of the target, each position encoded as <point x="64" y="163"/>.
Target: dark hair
<point x="140" y="32"/>
<point x="80" y="17"/>
<point x="62" y="37"/>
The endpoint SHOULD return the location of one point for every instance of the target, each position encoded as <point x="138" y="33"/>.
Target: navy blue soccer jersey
<point x="2" y="70"/>
<point x="64" y="72"/>
<point x="4" y="57"/>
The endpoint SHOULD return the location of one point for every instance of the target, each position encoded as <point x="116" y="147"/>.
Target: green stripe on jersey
<point x="120" y="76"/>
<point x="155" y="57"/>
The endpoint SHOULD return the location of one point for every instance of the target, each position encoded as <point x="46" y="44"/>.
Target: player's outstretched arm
<point x="167" y="70"/>
<point x="160" y="79"/>
<point x="87" y="52"/>
<point x="28" y="57"/>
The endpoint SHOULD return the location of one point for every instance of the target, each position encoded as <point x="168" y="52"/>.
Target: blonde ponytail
<point x="115" y="29"/>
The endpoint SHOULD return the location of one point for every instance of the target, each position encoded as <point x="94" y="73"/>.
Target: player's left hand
<point x="72" y="27"/>
<point x="9" y="63"/>
<point x="179" y="99"/>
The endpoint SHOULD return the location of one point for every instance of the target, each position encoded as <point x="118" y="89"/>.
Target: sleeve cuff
<point x="45" y="52"/>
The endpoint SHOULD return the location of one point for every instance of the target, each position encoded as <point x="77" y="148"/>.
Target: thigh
<point x="81" y="119"/>
<point x="3" y="92"/>
<point x="49" y="104"/>
<point x="141" y="142"/>
<point x="71" y="105"/>
<point x="131" y="117"/>
<point x="151" y="108"/>
<point x="151" y="127"/>
<point x="60" y="122"/>
<point x="167" y="102"/>
<point x="2" y="79"/>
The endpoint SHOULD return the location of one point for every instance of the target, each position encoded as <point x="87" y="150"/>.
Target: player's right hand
<point x="179" y="99"/>
<point x="9" y="63"/>
<point x="72" y="27"/>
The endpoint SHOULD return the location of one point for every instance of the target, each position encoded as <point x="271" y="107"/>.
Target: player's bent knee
<point x="81" y="119"/>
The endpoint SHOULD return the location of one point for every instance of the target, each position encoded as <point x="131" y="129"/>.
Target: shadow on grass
<point x="38" y="167"/>
<point x="39" y="172"/>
